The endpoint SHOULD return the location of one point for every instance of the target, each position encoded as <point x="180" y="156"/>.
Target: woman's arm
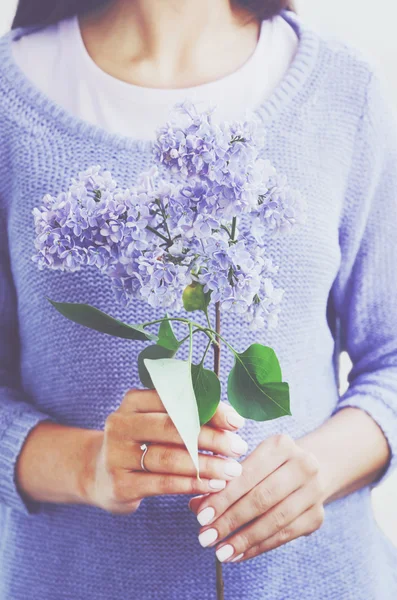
<point x="286" y="483"/>
<point x="18" y="415"/>
<point x="351" y="450"/>
<point x="68" y="465"/>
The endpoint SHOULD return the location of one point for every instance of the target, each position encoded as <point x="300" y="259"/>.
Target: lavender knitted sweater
<point x="331" y="132"/>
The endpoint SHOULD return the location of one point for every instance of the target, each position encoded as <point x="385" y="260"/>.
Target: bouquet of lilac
<point x="173" y="241"/>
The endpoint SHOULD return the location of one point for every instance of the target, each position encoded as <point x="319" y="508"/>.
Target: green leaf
<point x="194" y="298"/>
<point x="155" y="353"/>
<point x="255" y="387"/>
<point x="173" y="381"/>
<point x="207" y="389"/>
<point x="91" y="317"/>
<point x="166" y="336"/>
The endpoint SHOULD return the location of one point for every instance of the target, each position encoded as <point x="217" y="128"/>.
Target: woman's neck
<point x="169" y="43"/>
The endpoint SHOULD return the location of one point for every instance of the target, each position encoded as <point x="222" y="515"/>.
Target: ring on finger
<point x="145" y="448"/>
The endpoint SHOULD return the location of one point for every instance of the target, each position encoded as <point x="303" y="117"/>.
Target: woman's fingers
<point x="160" y="458"/>
<point x="148" y="401"/>
<point x="259" y="501"/>
<point x="306" y="524"/>
<point x="266" y="525"/>
<point x="141" y="401"/>
<point x="159" y="428"/>
<point x="133" y="487"/>
<point x="226" y="418"/>
<point x="259" y="465"/>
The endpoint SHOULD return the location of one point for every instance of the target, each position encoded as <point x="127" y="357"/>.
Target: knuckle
<point x="169" y="427"/>
<point x="283" y="443"/>
<point x="262" y="498"/>
<point x="245" y="540"/>
<point x="165" y="484"/>
<point x="131" y="397"/>
<point x="112" y="425"/>
<point x="119" y="491"/>
<point x="279" y="519"/>
<point x="319" y="517"/>
<point x="167" y="458"/>
<point x="318" y="488"/>
<point x="195" y="486"/>
<point x="310" y="464"/>
<point x="285" y="535"/>
<point x="216" y="439"/>
<point x="229" y="522"/>
<point x="207" y="464"/>
<point x="249" y="477"/>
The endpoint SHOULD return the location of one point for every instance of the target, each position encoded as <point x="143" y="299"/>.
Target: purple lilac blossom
<point x="176" y="224"/>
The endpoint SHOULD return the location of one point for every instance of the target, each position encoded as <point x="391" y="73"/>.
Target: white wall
<point x="367" y="24"/>
<point x="7" y="10"/>
<point x="371" y="27"/>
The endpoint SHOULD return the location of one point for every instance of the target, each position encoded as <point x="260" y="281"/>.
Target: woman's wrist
<point x="351" y="450"/>
<point x="55" y="464"/>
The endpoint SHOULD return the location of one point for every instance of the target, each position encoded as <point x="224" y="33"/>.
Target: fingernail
<point x="233" y="468"/>
<point x="237" y="557"/>
<point x="205" y="516"/>
<point x="225" y="552"/>
<point x="238" y="445"/>
<point x="234" y="419"/>
<point x="207" y="537"/>
<point x="217" y="484"/>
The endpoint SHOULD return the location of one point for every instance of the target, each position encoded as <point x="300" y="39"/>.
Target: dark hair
<point x="44" y="12"/>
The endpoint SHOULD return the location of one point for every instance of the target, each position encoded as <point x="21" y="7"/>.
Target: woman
<point x="285" y="504"/>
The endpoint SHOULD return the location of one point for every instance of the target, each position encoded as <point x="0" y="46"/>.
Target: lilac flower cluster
<point x="178" y="224"/>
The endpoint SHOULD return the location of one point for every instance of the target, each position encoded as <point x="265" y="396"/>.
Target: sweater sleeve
<point x="17" y="414"/>
<point x="365" y="290"/>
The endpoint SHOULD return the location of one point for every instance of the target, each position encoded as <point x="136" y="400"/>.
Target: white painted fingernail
<point x="208" y="537"/>
<point x="234" y="419"/>
<point x="233" y="468"/>
<point x="237" y="557"/>
<point x="225" y="552"/>
<point x="238" y="445"/>
<point x="205" y="516"/>
<point x="217" y="484"/>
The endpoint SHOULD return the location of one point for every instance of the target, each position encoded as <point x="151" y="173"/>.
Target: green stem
<point x="183" y="340"/>
<point x="208" y="318"/>
<point x="190" y="343"/>
<point x="234" y="226"/>
<point x="160" y="205"/>
<point x="160" y="235"/>
<point x="218" y="335"/>
<point x="206" y="352"/>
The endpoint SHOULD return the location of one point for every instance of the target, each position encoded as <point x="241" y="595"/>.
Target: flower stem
<point x="220" y="586"/>
<point x="160" y="235"/>
<point x="206" y="351"/>
<point x="234" y="226"/>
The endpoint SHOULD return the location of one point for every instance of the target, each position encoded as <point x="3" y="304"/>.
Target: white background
<point x="370" y="26"/>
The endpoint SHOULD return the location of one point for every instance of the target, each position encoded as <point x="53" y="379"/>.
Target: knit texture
<point x="331" y="132"/>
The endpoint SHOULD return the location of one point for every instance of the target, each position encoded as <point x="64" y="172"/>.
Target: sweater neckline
<point x="294" y="80"/>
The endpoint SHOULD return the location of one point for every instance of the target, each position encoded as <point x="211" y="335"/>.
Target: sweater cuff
<point x="383" y="415"/>
<point x="11" y="445"/>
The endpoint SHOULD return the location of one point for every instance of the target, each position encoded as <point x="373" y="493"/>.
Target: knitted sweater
<point x="330" y="131"/>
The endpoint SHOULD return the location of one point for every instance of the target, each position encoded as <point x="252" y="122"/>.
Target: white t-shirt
<point x="56" y="60"/>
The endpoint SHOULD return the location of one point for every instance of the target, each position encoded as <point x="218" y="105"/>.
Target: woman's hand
<point x="114" y="477"/>
<point x="279" y="497"/>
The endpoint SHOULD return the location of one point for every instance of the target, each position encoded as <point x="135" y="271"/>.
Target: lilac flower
<point x="179" y="222"/>
<point x="281" y="209"/>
